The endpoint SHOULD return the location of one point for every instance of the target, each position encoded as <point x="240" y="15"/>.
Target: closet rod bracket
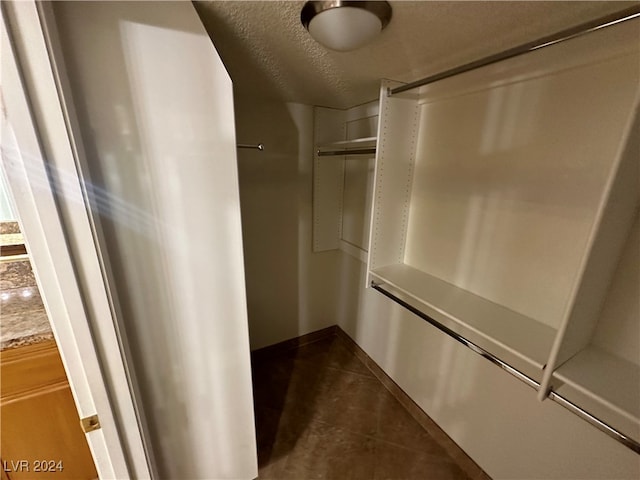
<point x="258" y="146"/>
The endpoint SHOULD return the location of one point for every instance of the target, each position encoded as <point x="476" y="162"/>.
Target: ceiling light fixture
<point x="345" y="25"/>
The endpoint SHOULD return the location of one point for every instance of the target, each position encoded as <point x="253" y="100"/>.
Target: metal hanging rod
<point x="555" y="396"/>
<point x="595" y="421"/>
<point x="259" y="146"/>
<point x="456" y="336"/>
<point x="568" y="34"/>
<point x="361" y="151"/>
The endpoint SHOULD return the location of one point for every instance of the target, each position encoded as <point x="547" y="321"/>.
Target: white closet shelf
<point x="505" y="332"/>
<point x="347" y="144"/>
<point x="605" y="385"/>
<point x="357" y="146"/>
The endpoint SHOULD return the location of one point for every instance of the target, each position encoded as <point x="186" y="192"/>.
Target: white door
<point x="25" y="170"/>
<point x="149" y="111"/>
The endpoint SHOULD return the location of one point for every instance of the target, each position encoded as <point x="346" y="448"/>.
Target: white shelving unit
<point x="343" y="178"/>
<point x="505" y="197"/>
<point x="603" y="376"/>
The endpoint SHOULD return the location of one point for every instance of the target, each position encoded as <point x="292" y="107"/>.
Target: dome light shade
<point x="345" y="25"/>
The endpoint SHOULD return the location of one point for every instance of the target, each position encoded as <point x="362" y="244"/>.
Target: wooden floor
<point x="322" y="413"/>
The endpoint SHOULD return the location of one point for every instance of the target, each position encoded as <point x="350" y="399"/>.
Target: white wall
<point x="290" y="290"/>
<point x="495" y="418"/>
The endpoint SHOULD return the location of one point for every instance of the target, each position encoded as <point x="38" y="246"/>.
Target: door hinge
<point x="89" y="424"/>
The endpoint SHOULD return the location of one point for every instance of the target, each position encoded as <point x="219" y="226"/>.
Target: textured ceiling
<point x="269" y="53"/>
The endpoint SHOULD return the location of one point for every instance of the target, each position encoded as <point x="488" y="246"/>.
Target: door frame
<point x="40" y="161"/>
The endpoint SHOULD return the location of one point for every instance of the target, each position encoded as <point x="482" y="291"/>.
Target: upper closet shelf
<point x="358" y="146"/>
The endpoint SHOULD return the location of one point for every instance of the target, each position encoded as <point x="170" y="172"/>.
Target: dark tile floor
<point x="322" y="414"/>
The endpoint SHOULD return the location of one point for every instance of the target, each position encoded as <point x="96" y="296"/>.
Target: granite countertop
<point x="9" y="228"/>
<point x="23" y="319"/>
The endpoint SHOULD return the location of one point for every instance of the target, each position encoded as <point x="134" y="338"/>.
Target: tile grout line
<point x="459" y="456"/>
<point x="453" y="450"/>
<point x="373" y="437"/>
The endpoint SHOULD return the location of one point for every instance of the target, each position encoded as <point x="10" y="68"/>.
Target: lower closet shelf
<point x="515" y="338"/>
<point x="606" y="386"/>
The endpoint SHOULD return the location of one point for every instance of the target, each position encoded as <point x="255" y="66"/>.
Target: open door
<point x="116" y="446"/>
<point x="147" y="109"/>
